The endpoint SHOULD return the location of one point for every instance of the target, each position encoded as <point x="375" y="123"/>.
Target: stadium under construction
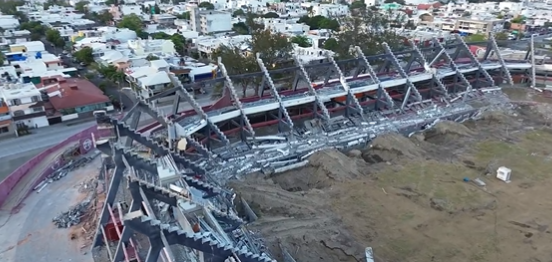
<point x="178" y="208"/>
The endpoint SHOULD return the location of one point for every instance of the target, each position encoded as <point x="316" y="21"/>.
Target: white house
<point x="25" y="103"/>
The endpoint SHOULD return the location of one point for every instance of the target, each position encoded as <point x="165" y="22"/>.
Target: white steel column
<point x="455" y="68"/>
<point x="429" y="69"/>
<point x="345" y="86"/>
<point x="411" y="88"/>
<point x="236" y="98"/>
<point x="275" y="92"/>
<point x="197" y="108"/>
<point x="312" y="91"/>
<point x="501" y="59"/>
<point x="374" y="77"/>
<point x="475" y="60"/>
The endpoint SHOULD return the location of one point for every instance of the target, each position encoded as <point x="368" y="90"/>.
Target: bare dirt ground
<point x="30" y="235"/>
<point x="406" y="197"/>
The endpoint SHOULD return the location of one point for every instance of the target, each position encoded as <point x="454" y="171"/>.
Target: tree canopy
<point x="368" y="29"/>
<point x="206" y="5"/>
<point x="301" y="41"/>
<point x="36" y="28"/>
<point x="320" y="22"/>
<point x="132" y="22"/>
<point x="85" y="55"/>
<point x="54" y="37"/>
<point x="475" y="38"/>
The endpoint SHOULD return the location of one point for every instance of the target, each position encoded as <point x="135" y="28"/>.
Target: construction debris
<point x="73" y="216"/>
<point x="64" y="170"/>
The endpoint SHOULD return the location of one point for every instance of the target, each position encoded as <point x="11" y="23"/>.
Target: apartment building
<point x="472" y="26"/>
<point x="149" y="80"/>
<point x="25" y="104"/>
<point x="210" y="21"/>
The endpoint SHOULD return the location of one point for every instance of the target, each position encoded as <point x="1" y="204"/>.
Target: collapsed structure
<point x="176" y="201"/>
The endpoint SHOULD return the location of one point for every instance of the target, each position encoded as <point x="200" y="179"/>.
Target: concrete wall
<point x="86" y="145"/>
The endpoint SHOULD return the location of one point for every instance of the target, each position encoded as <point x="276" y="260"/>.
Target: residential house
<point x="164" y="19"/>
<point x="149" y="80"/>
<point x="72" y="98"/>
<point x="25" y="104"/>
<point x="11" y="37"/>
<point x="151" y="46"/>
<point x="7" y="127"/>
<point x="8" y="22"/>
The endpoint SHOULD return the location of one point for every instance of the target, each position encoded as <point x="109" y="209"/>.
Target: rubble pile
<point x="72" y="217"/>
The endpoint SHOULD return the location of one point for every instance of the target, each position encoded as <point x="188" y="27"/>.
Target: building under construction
<point x="166" y="196"/>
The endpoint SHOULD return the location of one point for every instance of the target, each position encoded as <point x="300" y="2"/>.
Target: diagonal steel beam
<point x="387" y="98"/>
<point x="182" y="92"/>
<point x="275" y="94"/>
<point x="236" y="99"/>
<point x="474" y="59"/>
<point x="429" y="69"/>
<point x="318" y="100"/>
<point x="350" y="95"/>
<point x="412" y="90"/>
<point x="454" y="67"/>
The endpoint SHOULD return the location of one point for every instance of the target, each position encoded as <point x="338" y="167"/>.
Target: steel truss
<point x="403" y="65"/>
<point x="151" y="205"/>
<point x="141" y="175"/>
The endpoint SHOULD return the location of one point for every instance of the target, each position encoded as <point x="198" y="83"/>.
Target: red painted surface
<point x="7" y="185"/>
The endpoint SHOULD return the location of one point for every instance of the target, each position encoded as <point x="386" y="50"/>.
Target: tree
<point x="132" y="22"/>
<point x="319" y="22"/>
<point x="206" y="5"/>
<point x="400" y="2"/>
<point x="501" y="36"/>
<point x="475" y="38"/>
<point x="81" y="6"/>
<point x="237" y="63"/>
<point x="240" y="28"/>
<point x="85" y="55"/>
<point x="36" y="28"/>
<point x="54" y="37"/>
<point x="358" y="5"/>
<point x="331" y="44"/>
<point x="273" y="48"/>
<point x="185" y="16"/>
<point x="301" y="41"/>
<point x="271" y="15"/>
<point x="151" y="57"/>
<point x="179" y="43"/>
<point x="156" y="9"/>
<point x="354" y="32"/>
<point x="238" y="12"/>
<point x="111" y="72"/>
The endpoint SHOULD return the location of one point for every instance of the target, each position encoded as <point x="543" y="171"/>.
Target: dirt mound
<point x="494" y="117"/>
<point x="325" y="168"/>
<point x="445" y="131"/>
<point x="390" y="147"/>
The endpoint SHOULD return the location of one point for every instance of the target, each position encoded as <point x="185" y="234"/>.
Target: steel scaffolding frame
<point x="137" y="171"/>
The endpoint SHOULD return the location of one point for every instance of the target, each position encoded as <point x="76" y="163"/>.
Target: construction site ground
<point x="30" y="235"/>
<point x="407" y="198"/>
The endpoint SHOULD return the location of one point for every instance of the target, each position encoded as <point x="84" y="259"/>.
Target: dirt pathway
<point x="24" y="186"/>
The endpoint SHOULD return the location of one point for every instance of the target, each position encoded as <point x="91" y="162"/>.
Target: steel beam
<point x="412" y="90"/>
<point x="433" y="71"/>
<point x="319" y="104"/>
<point x="501" y="60"/>
<point x="476" y="61"/>
<point x="351" y="98"/>
<point x="282" y="109"/>
<point x="383" y="96"/>
<point x="182" y="92"/>
<point x="245" y="120"/>
<point x="460" y="76"/>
